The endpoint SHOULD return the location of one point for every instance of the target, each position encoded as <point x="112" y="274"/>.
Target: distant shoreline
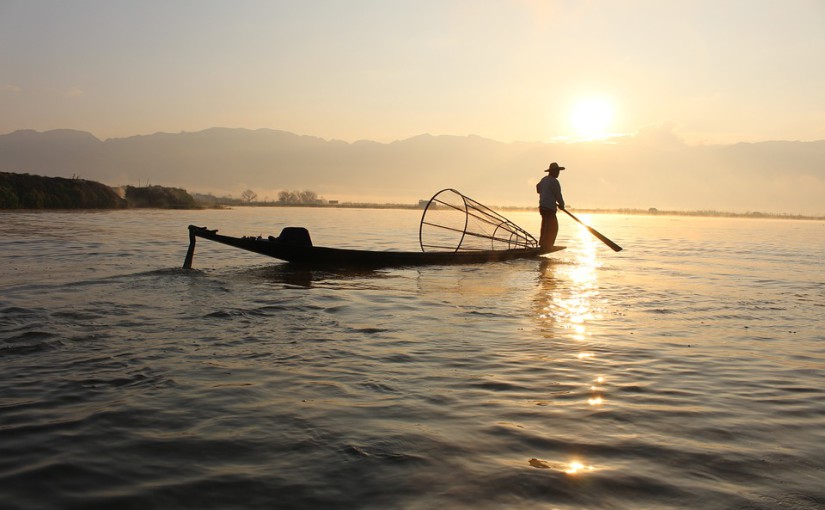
<point x="28" y="192"/>
<point x="636" y="212"/>
<point x="640" y="212"/>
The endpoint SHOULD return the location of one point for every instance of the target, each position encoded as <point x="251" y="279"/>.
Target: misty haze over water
<point x="650" y="170"/>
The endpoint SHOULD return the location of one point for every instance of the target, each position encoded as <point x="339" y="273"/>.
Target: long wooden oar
<point x="613" y="246"/>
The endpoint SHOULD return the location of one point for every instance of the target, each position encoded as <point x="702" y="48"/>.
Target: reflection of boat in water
<point x="454" y="229"/>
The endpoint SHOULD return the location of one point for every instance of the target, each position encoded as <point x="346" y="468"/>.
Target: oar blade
<point x="613" y="246"/>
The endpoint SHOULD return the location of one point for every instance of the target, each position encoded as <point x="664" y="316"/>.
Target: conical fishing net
<point x="455" y="222"/>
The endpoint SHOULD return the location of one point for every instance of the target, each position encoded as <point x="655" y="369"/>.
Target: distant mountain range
<point x="651" y="169"/>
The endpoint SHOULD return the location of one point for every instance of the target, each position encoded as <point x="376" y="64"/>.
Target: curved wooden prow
<point x="190" y="253"/>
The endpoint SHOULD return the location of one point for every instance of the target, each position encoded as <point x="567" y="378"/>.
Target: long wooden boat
<point x="454" y="229"/>
<point x="319" y="256"/>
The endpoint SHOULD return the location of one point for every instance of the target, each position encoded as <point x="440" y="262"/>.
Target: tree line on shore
<point x="250" y="197"/>
<point x="25" y="191"/>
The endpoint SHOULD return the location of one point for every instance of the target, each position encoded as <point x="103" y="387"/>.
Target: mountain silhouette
<point x="650" y="169"/>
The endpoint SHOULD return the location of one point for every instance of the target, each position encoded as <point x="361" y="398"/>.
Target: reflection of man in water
<point x="549" y="191"/>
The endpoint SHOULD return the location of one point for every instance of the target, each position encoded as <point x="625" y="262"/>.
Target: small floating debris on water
<point x="540" y="464"/>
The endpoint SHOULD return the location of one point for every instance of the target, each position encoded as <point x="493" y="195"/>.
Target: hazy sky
<point x="717" y="71"/>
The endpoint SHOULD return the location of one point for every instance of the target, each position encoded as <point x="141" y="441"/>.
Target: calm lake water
<point x="687" y="371"/>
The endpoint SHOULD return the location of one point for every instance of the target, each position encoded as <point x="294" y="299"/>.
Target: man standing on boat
<point x="549" y="191"/>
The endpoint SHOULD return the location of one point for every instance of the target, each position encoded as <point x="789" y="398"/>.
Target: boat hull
<point x="340" y="257"/>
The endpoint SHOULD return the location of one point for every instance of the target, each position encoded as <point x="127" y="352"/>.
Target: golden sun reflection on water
<point x="595" y="401"/>
<point x="567" y="290"/>
<point x="569" y="300"/>
<point x="596" y="392"/>
<point x="576" y="467"/>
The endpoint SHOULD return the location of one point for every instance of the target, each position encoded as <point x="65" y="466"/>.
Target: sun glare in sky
<point x="592" y="117"/>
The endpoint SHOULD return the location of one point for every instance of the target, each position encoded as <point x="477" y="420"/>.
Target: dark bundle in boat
<point x="454" y="229"/>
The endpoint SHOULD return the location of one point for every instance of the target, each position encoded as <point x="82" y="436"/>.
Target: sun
<point x="592" y="117"/>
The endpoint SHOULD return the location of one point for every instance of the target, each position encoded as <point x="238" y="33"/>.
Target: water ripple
<point x="680" y="373"/>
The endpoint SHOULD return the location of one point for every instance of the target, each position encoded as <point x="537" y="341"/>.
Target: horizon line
<point x="611" y="138"/>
